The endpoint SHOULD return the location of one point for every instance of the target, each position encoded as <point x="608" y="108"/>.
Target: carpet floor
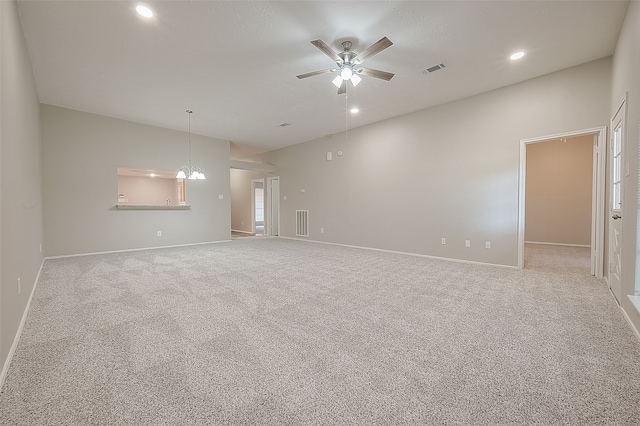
<point x="273" y="331"/>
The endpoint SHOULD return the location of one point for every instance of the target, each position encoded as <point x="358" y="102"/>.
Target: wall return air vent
<point x="302" y="223"/>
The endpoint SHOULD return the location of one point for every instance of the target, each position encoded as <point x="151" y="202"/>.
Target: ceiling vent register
<point x="434" y="68"/>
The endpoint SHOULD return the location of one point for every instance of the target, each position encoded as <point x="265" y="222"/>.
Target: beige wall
<point x="446" y="172"/>
<point x="147" y="190"/>
<point x="21" y="194"/>
<point x="81" y="153"/>
<point x="558" y="191"/>
<point x="626" y="69"/>
<point x="241" y="215"/>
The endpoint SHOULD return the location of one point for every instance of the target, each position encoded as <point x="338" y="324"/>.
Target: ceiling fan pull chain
<point x="346" y="112"/>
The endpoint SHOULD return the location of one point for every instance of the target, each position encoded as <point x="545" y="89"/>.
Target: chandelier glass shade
<point x="190" y="172"/>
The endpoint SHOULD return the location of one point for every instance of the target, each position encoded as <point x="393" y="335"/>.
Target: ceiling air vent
<point x="434" y="68"/>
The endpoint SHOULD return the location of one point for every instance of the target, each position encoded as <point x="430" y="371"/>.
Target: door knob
<point x="616" y="216"/>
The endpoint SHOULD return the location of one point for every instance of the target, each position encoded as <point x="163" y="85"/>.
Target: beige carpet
<point x="272" y="331"/>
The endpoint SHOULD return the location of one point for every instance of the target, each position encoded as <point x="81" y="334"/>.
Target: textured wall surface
<point x="446" y="172"/>
<point x="81" y="155"/>
<point x="626" y="68"/>
<point x="21" y="196"/>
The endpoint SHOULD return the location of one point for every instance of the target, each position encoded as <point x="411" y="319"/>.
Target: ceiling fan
<point x="349" y="63"/>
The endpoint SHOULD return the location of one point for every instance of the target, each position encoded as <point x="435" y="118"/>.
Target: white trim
<point x="598" y="203"/>
<point x="636" y="301"/>
<point x="242" y="232"/>
<point x="136" y="249"/>
<point x="633" y="327"/>
<point x="253" y="202"/>
<point x="16" y="339"/>
<point x="557" y="244"/>
<point x="621" y="109"/>
<point x="426" y="256"/>
<point x="623" y="101"/>
<point x="269" y="206"/>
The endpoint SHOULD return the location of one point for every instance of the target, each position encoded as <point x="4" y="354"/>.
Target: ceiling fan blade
<point x="370" y="72"/>
<point x="374" y="49"/>
<point x="314" y="73"/>
<point x="324" y="48"/>
<point x="343" y="87"/>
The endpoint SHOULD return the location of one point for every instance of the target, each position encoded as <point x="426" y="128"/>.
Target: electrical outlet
<point x="467" y="243"/>
<point x="487" y="244"/>
<point x="322" y="230"/>
<point x="159" y="233"/>
<point x="19" y="286"/>
<point x="443" y="241"/>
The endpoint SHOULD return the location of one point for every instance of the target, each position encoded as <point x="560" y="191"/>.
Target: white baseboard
<point x="626" y="316"/>
<point x="16" y="339"/>
<point x="636" y="302"/>
<point x="136" y="249"/>
<point x="426" y="256"/>
<point x="242" y="232"/>
<point x="557" y="244"/>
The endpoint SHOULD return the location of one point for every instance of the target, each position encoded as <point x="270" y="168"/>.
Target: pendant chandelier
<point x="191" y="171"/>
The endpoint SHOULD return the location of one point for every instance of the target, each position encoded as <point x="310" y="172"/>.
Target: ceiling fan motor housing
<point x="347" y="55"/>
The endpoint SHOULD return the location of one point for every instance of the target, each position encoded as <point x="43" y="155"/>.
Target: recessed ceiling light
<point x="517" y="55"/>
<point x="355" y="110"/>
<point x="144" y="11"/>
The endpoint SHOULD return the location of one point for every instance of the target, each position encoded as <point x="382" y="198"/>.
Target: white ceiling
<point x="234" y="62"/>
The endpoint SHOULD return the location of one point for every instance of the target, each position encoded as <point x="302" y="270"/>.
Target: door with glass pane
<point x="615" y="209"/>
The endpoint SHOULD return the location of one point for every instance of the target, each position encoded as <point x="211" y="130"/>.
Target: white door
<point x="274" y="217"/>
<point x="615" y="208"/>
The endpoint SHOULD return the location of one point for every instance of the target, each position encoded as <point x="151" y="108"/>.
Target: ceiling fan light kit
<point x="348" y="62"/>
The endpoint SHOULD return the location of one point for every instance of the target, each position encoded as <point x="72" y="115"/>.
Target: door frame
<point x="621" y="109"/>
<point x="253" y="202"/>
<point x="598" y="202"/>
<point x="268" y="205"/>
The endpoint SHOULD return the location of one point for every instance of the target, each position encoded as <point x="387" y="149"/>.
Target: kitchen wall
<point x="150" y="191"/>
<point x="81" y="155"/>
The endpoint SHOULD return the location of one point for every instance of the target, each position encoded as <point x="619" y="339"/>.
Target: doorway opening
<point x="257" y="190"/>
<point x="273" y="206"/>
<point x="554" y="207"/>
